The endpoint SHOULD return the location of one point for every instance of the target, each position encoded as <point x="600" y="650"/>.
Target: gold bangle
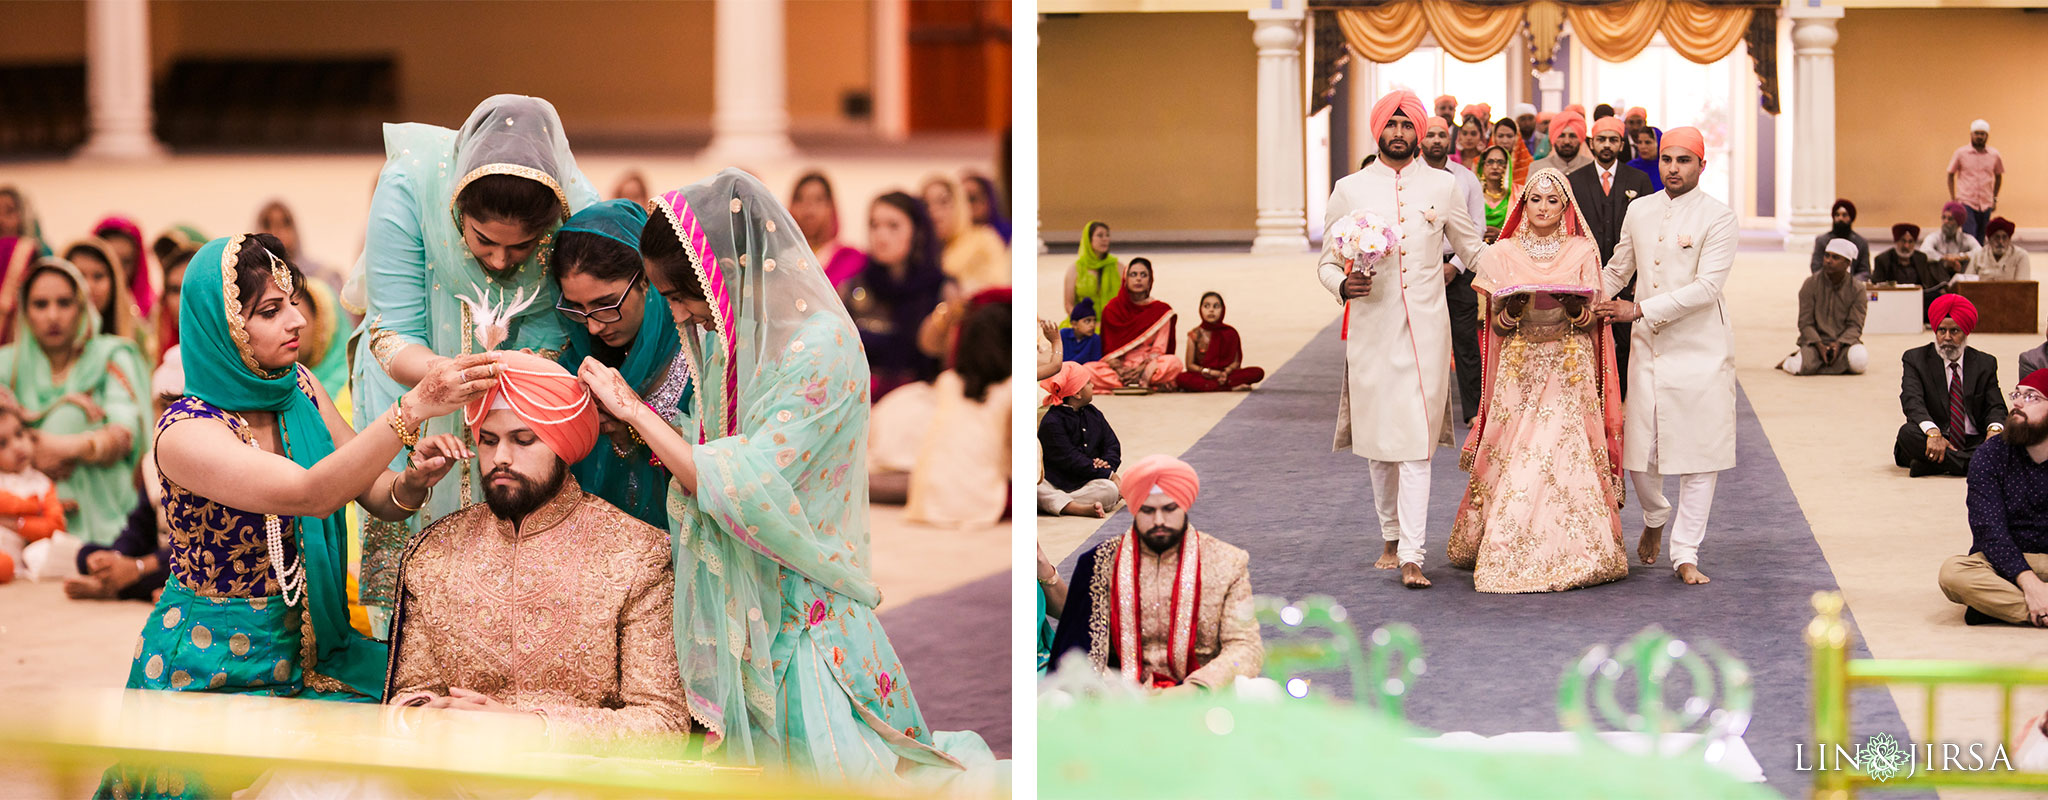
<point x="410" y="509"/>
<point x="408" y="439"/>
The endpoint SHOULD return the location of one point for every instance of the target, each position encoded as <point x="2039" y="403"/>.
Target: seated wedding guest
<point x="632" y="186"/>
<point x="276" y="219"/>
<point x="101" y="265"/>
<point x="29" y="508"/>
<point x="167" y="305"/>
<point x="1844" y="214"/>
<point x="985" y="205"/>
<point x="961" y="474"/>
<point x="1080" y="452"/>
<point x="973" y="255"/>
<point x="1950" y="395"/>
<point x="135" y="566"/>
<point x="1096" y="275"/>
<point x="1950" y="245"/>
<point x="1137" y="337"/>
<point x="1215" y="355"/>
<point x="2001" y="580"/>
<point x="172" y="240"/>
<point x="536" y="546"/>
<point x="2000" y="259"/>
<point x="1079" y="343"/>
<point x="2033" y="359"/>
<point x="816" y="210"/>
<point x="1905" y="263"/>
<point x="1832" y="306"/>
<point x="1160" y="637"/>
<point x="890" y="298"/>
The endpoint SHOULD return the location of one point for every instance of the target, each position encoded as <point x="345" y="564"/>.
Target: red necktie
<point x="1606" y="183"/>
<point x="1955" y="405"/>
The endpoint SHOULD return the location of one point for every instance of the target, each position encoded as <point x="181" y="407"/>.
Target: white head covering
<point x="1980" y="125"/>
<point x="170" y="375"/>
<point x="1525" y="108"/>
<point x="1844" y="248"/>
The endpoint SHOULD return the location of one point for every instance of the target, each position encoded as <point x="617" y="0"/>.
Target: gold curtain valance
<point x="1469" y="31"/>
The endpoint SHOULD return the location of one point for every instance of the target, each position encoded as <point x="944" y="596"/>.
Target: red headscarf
<point x="1953" y="305"/>
<point x="1124" y="321"/>
<point x="1224" y="348"/>
<point x="2038" y="379"/>
<point x="1400" y="100"/>
<point x="549" y="399"/>
<point x="1170" y="475"/>
<point x="143" y="276"/>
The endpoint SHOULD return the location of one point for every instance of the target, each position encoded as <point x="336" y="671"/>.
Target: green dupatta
<point x="220" y="370"/>
<point x="112" y="372"/>
<point x="1096" y="277"/>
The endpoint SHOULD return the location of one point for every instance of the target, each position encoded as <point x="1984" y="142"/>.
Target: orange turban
<point x="1635" y="112"/>
<point x="1687" y="139"/>
<point x="1576" y="109"/>
<point x="1168" y="474"/>
<point x="1953" y="305"/>
<point x="1066" y="384"/>
<point x="1400" y="100"/>
<point x="1609" y="125"/>
<point x="1567" y="121"/>
<point x="550" y="400"/>
<point x="1438" y="122"/>
<point x="1442" y="97"/>
<point x="1485" y="112"/>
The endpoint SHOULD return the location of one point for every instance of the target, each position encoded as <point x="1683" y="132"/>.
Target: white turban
<point x="1844" y="248"/>
<point x="1980" y="125"/>
<point x="1524" y="108"/>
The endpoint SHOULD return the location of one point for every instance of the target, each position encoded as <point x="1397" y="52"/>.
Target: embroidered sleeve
<point x="1242" y="651"/>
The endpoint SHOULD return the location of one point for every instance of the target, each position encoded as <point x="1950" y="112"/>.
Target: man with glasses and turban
<point x="544" y="599"/>
<point x="1999" y="259"/>
<point x="1163" y="606"/>
<point x="2001" y="580"/>
<point x="1949" y="392"/>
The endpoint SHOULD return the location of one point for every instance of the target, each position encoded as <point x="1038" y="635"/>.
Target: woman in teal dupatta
<point x="467" y="213"/>
<point x="615" y="317"/>
<point x="256" y="468"/>
<point x="781" y="654"/>
<point x="85" y="392"/>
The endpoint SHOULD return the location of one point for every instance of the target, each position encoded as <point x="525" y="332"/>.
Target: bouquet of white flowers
<point x="1363" y="238"/>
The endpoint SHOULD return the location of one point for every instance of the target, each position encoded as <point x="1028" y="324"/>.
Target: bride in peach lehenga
<point x="1542" y="511"/>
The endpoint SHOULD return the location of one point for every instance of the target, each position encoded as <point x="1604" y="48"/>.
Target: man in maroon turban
<point x="1844" y="216"/>
<point x="1949" y="394"/>
<point x="2001" y="580"/>
<point x="1949" y="244"/>
<point x="2000" y="259"/>
<point x="480" y="587"/>
<point x="1167" y="606"/>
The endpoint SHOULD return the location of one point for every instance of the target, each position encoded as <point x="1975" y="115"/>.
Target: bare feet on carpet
<point x="1411" y="577"/>
<point x="1646" y="548"/>
<point x="1691" y="574"/>
<point x="1387" y="558"/>
<point x="1080" y="509"/>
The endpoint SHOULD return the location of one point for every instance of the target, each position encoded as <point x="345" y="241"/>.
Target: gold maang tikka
<point x="280" y="273"/>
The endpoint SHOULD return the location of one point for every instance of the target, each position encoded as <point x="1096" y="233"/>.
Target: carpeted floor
<point x="1271" y="485"/>
<point x="959" y="688"/>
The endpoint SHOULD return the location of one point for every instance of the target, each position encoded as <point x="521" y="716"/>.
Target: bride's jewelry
<point x="1541" y="248"/>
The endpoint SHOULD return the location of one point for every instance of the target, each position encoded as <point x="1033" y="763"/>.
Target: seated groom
<point x="1832" y="306"/>
<point x="1189" y="623"/>
<point x="2001" y="578"/>
<point x="1950" y="394"/>
<point x="543" y="599"/>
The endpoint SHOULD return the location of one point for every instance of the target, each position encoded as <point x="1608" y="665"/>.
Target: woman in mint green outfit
<point x="462" y="213"/>
<point x="256" y="466"/>
<point x="781" y="654"/>
<point x="615" y="316"/>
<point x="84" y="391"/>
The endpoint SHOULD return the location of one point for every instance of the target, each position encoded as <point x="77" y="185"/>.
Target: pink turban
<point x="1637" y="112"/>
<point x="1576" y="109"/>
<point x="1485" y="112"/>
<point x="1438" y="122"/>
<point x="1688" y="139"/>
<point x="1066" y="384"/>
<point x="1961" y="214"/>
<point x="550" y="400"/>
<point x="1609" y="125"/>
<point x="1170" y="475"/>
<point x="1400" y="100"/>
<point x="1953" y="305"/>
<point x="1443" y="97"/>
<point x="1567" y="121"/>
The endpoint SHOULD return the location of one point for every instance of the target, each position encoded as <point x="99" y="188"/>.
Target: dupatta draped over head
<point x="222" y="371"/>
<point x="1096" y="276"/>
<point x="1506" y="270"/>
<point x="146" y="280"/>
<point x="415" y="264"/>
<point x="108" y="369"/>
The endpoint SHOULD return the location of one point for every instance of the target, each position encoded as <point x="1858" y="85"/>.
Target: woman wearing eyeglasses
<point x="613" y="317"/>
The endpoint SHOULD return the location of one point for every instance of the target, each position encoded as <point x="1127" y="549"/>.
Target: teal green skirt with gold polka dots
<point x="232" y="645"/>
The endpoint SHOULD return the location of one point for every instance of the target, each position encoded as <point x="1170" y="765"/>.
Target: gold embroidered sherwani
<point x="1227" y="642"/>
<point x="569" y="616"/>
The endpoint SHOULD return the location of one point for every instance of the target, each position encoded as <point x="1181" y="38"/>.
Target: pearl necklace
<point x="1543" y="248"/>
<point x="291" y="581"/>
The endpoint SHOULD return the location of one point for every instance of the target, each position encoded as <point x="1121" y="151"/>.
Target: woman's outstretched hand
<point x="612" y="392"/>
<point x="431" y="461"/>
<point x="453" y="382"/>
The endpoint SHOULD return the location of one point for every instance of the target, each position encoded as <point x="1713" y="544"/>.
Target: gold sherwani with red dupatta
<point x="1187" y="610"/>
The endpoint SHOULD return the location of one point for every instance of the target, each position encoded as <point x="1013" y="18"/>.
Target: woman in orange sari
<point x="1542" y="511"/>
<point x="1137" y="338"/>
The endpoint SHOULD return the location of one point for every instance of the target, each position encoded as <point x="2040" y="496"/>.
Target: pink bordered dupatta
<point x="1126" y="616"/>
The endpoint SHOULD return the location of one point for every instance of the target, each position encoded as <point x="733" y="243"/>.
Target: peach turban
<point x="1609" y="125"/>
<point x="1163" y="473"/>
<point x="1953" y="305"/>
<point x="1688" y="139"/>
<point x="1440" y="99"/>
<point x="551" y="401"/>
<point x="1400" y="100"/>
<point x="1485" y="112"/>
<point x="1066" y="384"/>
<point x="1576" y="109"/>
<point x="1567" y="121"/>
<point x="1637" y="112"/>
<point x="1438" y="122"/>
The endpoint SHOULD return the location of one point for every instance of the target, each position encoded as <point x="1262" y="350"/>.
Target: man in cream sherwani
<point x="1680" y="245"/>
<point x="1398" y="352"/>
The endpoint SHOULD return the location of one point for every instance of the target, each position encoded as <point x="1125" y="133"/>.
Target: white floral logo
<point x="1882" y="759"/>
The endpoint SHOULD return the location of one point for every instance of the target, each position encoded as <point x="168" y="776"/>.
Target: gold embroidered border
<point x="515" y="170"/>
<point x="1130" y="644"/>
<point x="231" y="302"/>
<point x="1099" y="604"/>
<point x="1179" y="640"/>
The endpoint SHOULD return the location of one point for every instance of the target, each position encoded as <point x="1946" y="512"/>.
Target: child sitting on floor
<point x="29" y="508"/>
<point x="1215" y="355"/>
<point x="1081" y="453"/>
<point x="1080" y="343"/>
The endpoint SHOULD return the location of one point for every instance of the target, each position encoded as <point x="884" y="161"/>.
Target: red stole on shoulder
<point x="1125" y="323"/>
<point x="1125" y="612"/>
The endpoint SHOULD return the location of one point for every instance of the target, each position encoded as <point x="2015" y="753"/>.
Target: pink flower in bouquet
<point x="1363" y="238"/>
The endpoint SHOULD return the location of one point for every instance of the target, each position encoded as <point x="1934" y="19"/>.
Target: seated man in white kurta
<point x="1398" y="330"/>
<point x="1679" y="244"/>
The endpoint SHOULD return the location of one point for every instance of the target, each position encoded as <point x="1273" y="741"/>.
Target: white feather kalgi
<point x="494" y="321"/>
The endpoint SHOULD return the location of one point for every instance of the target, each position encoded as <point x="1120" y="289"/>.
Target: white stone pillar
<point x="117" y="82"/>
<point x="892" y="69"/>
<point x="1282" y="221"/>
<point x="1813" y="122"/>
<point x="750" y="118"/>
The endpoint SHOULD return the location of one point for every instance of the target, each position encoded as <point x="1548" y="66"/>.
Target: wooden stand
<point x="2004" y="306"/>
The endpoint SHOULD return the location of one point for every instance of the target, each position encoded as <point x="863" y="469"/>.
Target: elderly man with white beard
<point x="1949" y="391"/>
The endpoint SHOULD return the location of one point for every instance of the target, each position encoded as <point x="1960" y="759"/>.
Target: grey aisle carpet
<point x="1271" y="485"/>
<point x="959" y="688"/>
